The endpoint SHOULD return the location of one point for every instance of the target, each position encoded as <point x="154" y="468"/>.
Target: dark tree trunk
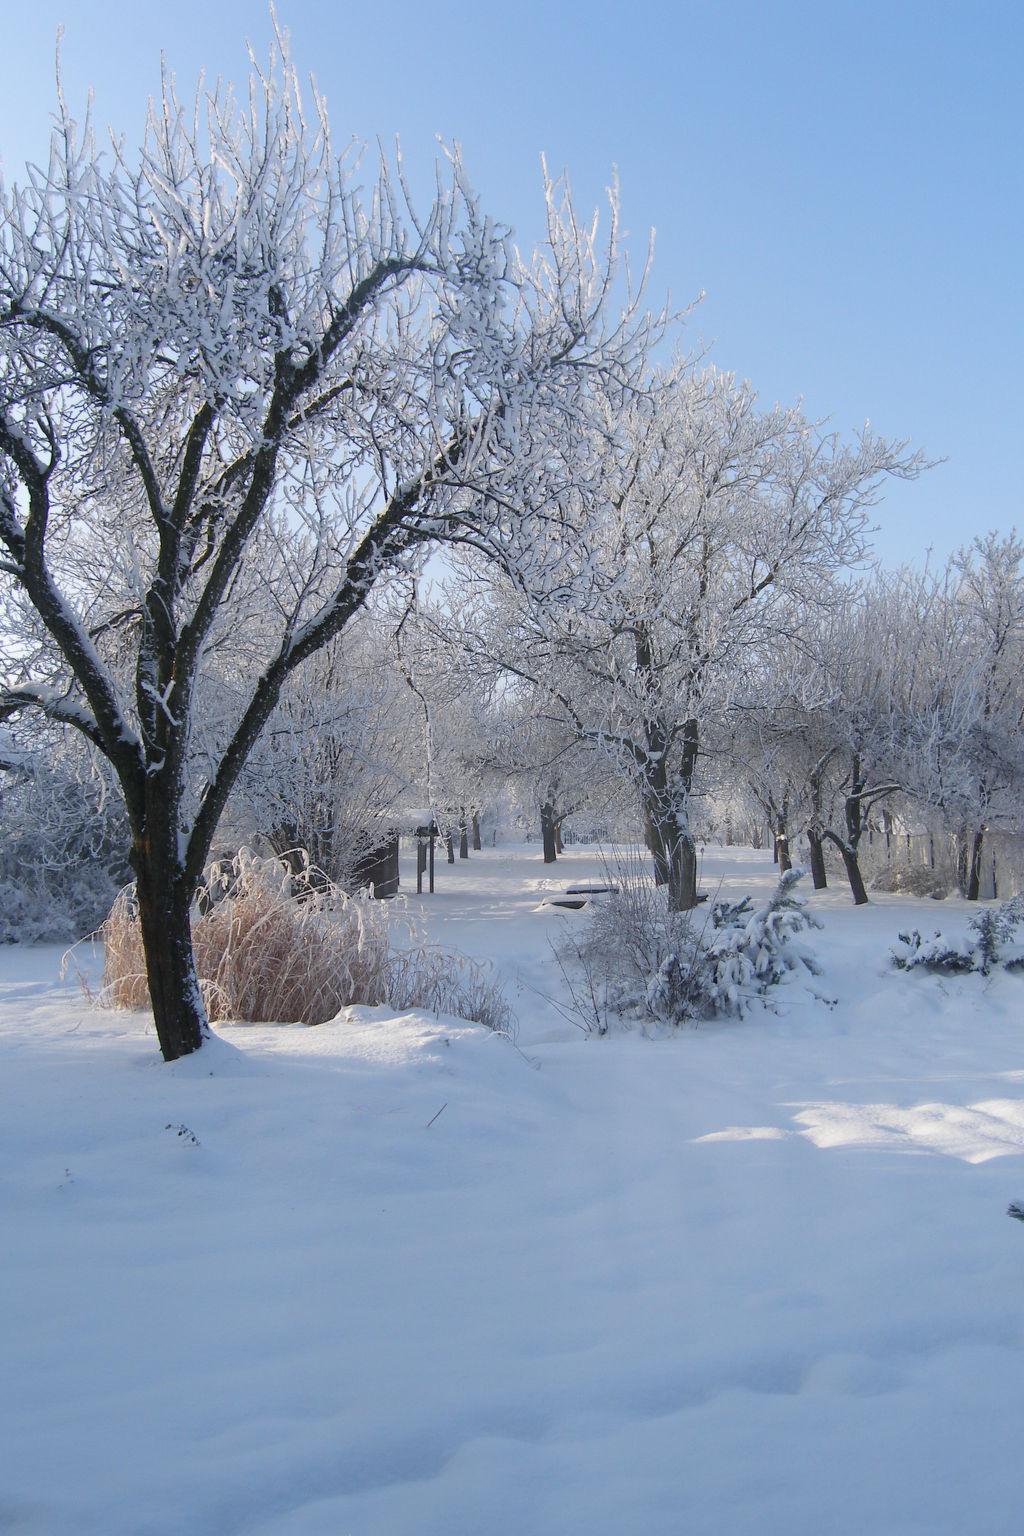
<point x="682" y="879"/>
<point x="853" y="874"/>
<point x="449" y="843"/>
<point x="547" y="832"/>
<point x="559" y="845"/>
<point x="665" y="802"/>
<point x="974" y="865"/>
<point x="853" y="810"/>
<point x="782" y="857"/>
<point x="818" y="874"/>
<point x="463" y="838"/>
<point x="475" y="825"/>
<point x="852" y="867"/>
<point x="775" y="845"/>
<point x="656" y="851"/>
<point x="675" y="863"/>
<point x="164" y="901"/>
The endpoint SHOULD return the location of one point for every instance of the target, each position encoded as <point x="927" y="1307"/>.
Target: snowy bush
<point x="61" y="837"/>
<point x="276" y="946"/>
<point x="442" y="982"/>
<point x="674" y="966"/>
<point x="753" y="950"/>
<point x="912" y="880"/>
<point x="983" y="947"/>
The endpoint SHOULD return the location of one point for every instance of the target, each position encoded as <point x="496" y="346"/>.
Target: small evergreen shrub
<point x="755" y="949"/>
<point x="675" y="967"/>
<point x="982" y="949"/>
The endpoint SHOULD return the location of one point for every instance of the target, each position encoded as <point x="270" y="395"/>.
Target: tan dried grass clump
<point x="124" y="964"/>
<point x="275" y="946"/>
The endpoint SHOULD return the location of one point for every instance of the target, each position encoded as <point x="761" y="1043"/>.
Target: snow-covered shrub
<point x="675" y="966"/>
<point x="935" y="954"/>
<point x="630" y="935"/>
<point x="755" y="949"/>
<point x="442" y="982"/>
<point x="61" y="846"/>
<point x="273" y="945"/>
<point x="912" y="880"/>
<point x="982" y="948"/>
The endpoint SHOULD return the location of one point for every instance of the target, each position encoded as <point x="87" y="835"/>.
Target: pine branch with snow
<point x="754" y="952"/>
<point x="676" y="967"/>
<point x="981" y="950"/>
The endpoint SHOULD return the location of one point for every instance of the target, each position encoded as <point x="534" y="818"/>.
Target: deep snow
<point x="411" y="1281"/>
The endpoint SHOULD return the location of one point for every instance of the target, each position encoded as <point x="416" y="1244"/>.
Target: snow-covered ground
<point x="756" y="1278"/>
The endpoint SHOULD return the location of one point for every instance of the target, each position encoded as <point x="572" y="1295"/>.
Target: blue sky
<point x="843" y="181"/>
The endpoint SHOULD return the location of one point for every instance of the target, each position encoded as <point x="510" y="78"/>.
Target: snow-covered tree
<point x="920" y="680"/>
<point x="333" y="767"/>
<point x="551" y="774"/>
<point x="717" y="520"/>
<point x="232" y="343"/>
<point x="965" y="739"/>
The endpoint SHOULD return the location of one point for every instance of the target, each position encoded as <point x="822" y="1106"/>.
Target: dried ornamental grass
<point x="272" y="945"/>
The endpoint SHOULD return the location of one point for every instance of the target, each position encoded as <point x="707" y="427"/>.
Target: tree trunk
<point x="854" y="815"/>
<point x="449" y="843"/>
<point x="463" y="838"/>
<point x="547" y="832"/>
<point x="961" y="862"/>
<point x="818" y="874"/>
<point x="656" y="851"/>
<point x="665" y="800"/>
<point x="974" y="867"/>
<point x="475" y="825"/>
<point x="682" y="878"/>
<point x="852" y="867"/>
<point x="675" y="863"/>
<point x="782" y="857"/>
<point x="559" y="845"/>
<point x="164" y="902"/>
<point x="853" y="874"/>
